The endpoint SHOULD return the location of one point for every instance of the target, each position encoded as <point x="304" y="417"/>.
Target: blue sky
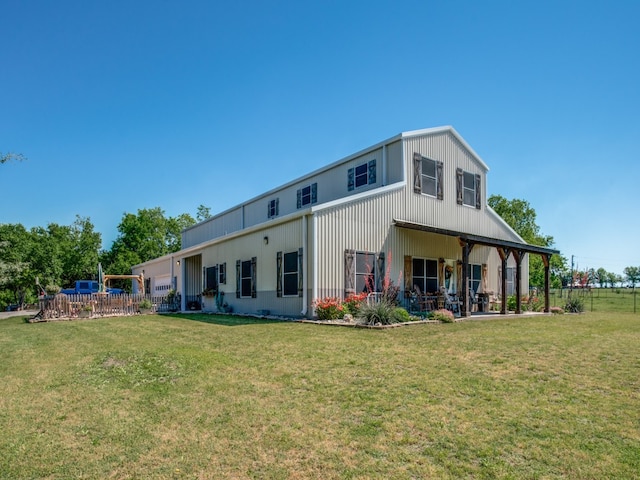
<point x="124" y="105"/>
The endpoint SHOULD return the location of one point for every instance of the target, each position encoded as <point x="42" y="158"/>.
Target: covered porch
<point x="504" y="248"/>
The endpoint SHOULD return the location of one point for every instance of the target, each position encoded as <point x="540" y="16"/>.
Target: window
<point x="429" y="179"/>
<point x="246" y="278"/>
<point x="511" y="281"/>
<point x="362" y="175"/>
<point x="211" y="279"/>
<point x="363" y="272"/>
<point x="475" y="277"/>
<point x="425" y="274"/>
<point x="272" y="208"/>
<point x="468" y="188"/>
<point x="427" y="176"/>
<point x="307" y="195"/>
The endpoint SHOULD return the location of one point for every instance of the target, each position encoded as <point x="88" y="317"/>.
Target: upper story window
<point x="273" y="208"/>
<point x="427" y="176"/>
<point x="362" y="175"/>
<point x="468" y="188"/>
<point x="307" y="195"/>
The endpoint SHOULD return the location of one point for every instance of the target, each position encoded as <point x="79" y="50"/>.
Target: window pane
<point x="291" y="284"/>
<point x="419" y="282"/>
<point x="469" y="197"/>
<point x="469" y="180"/>
<point x="429" y="186"/>
<point x="432" y="268"/>
<point x="364" y="263"/>
<point x="246" y="269"/>
<point x="246" y="287"/>
<point x="291" y="262"/>
<point x="418" y="267"/>
<point x="432" y="285"/>
<point x="365" y="283"/>
<point x="429" y="168"/>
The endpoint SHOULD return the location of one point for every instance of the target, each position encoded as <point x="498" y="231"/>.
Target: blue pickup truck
<point x="88" y="287"/>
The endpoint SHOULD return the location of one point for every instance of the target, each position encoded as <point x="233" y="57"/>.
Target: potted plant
<point x="145" y="306"/>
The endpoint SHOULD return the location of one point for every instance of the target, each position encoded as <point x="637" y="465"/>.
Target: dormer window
<point x="362" y="175"/>
<point x="307" y="195"/>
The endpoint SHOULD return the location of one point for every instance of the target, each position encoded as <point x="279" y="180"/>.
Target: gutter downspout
<point x="305" y="277"/>
<point x="384" y="164"/>
<point x="314" y="248"/>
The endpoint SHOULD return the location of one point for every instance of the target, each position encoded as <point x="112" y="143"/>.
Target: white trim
<point x="359" y="196"/>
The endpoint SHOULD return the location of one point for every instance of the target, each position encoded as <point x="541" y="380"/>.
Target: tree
<point x="632" y="275"/>
<point x="144" y="236"/>
<point x="14" y="270"/>
<point x="602" y="277"/>
<point x="520" y="216"/>
<point x="203" y="213"/>
<point x="7" y="157"/>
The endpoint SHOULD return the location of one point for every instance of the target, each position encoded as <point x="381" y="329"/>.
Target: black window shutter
<point x="254" y="273"/>
<point x="349" y="272"/>
<point x="238" y="280"/>
<point x="279" y="274"/>
<point x="277" y="206"/>
<point x="351" y="182"/>
<point x="478" y="193"/>
<point x="299" y="199"/>
<point x="300" y="283"/>
<point x="417" y="173"/>
<point x="372" y="171"/>
<point x="459" y="190"/>
<point x="314" y="193"/>
<point x="440" y="186"/>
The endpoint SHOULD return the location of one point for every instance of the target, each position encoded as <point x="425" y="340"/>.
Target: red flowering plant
<point x="329" y="308"/>
<point x="353" y="303"/>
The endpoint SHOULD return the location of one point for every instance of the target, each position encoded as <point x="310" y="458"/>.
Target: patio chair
<point x="451" y="302"/>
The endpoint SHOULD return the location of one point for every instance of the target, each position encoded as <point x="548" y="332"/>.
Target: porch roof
<point x="476" y="239"/>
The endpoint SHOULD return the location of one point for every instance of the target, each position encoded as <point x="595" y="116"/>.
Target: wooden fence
<point x="64" y="307"/>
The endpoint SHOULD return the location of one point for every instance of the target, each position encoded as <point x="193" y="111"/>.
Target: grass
<point x="201" y="397"/>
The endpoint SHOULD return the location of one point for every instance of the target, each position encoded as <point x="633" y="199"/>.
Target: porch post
<point x="546" y="258"/>
<point x="466" y="249"/>
<point x="504" y="256"/>
<point x="518" y="255"/>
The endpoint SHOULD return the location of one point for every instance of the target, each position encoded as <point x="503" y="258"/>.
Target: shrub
<point x="442" y="315"/>
<point x="145" y="304"/>
<point x="329" y="308"/>
<point x="379" y="313"/>
<point x="574" y="305"/>
<point x="401" y="315"/>
<point x="511" y="303"/>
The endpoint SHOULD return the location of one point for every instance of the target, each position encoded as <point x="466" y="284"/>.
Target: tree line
<point x="56" y="256"/>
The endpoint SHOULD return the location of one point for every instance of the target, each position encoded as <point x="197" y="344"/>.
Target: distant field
<point x="602" y="299"/>
<point x="199" y="397"/>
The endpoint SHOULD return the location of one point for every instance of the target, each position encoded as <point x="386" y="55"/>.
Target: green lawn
<point x="204" y="397"/>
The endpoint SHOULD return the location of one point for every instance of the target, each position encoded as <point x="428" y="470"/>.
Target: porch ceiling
<point x="476" y="239"/>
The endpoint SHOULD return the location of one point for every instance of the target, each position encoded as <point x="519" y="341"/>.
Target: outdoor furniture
<point x="451" y="302"/>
